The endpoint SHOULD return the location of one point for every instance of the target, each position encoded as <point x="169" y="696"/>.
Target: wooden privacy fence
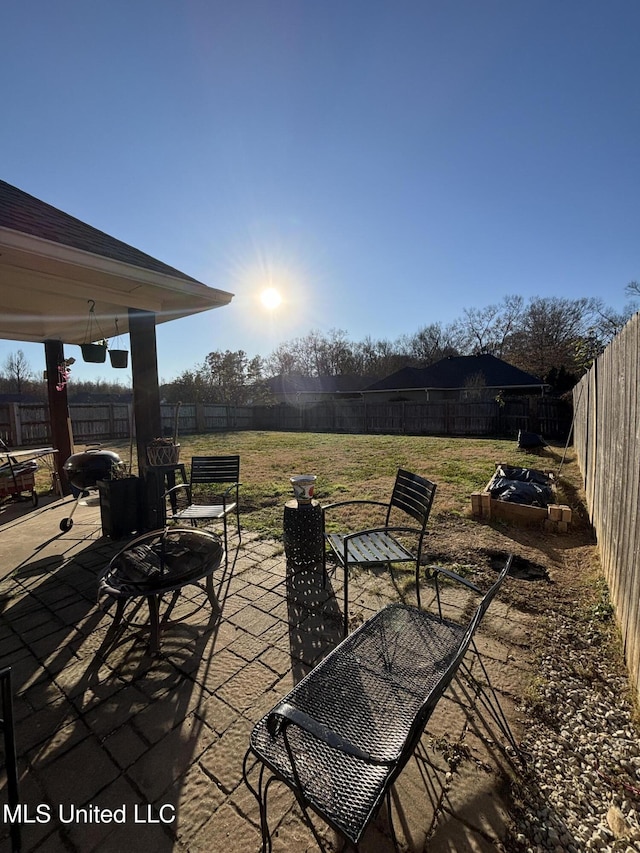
<point x="607" y="442"/>
<point x="28" y="424"/>
<point x="545" y="415"/>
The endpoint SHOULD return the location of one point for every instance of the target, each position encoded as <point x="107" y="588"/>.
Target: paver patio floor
<point x="159" y="741"/>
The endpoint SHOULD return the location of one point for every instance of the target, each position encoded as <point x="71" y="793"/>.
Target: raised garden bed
<point x="523" y="496"/>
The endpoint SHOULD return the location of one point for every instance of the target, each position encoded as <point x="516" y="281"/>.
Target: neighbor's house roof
<point x="297" y="384"/>
<point x="458" y="371"/>
<point x="51" y="264"/>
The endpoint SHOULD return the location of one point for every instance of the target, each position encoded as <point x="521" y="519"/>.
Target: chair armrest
<point x="286" y="714"/>
<point x="175" y="489"/>
<point x="438" y="570"/>
<point x="231" y="487"/>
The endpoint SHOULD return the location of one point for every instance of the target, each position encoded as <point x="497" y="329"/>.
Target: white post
<point x="16" y="424"/>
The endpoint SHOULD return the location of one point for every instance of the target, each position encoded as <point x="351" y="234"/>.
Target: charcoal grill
<point x="83" y="471"/>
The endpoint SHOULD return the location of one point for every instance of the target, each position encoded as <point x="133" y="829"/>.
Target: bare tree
<point x="430" y="343"/>
<point x="487" y="330"/>
<point x="17" y="370"/>
<point x="552" y="330"/>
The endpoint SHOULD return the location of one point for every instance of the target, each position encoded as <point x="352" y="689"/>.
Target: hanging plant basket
<point x="161" y="452"/>
<point x="95" y="353"/>
<point x="119" y="357"/>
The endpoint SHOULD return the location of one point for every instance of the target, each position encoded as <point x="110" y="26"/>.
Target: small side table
<point x="302" y="533"/>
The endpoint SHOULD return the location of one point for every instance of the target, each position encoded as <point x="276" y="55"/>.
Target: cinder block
<point x="555" y="512"/>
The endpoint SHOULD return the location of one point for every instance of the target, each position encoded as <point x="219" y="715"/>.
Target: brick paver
<point x="159" y="742"/>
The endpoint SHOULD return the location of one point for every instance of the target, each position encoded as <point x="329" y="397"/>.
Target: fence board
<point x="607" y="440"/>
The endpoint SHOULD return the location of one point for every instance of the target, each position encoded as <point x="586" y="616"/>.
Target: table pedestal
<point x="302" y="533"/>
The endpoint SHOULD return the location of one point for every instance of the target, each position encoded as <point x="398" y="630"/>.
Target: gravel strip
<point x="581" y="788"/>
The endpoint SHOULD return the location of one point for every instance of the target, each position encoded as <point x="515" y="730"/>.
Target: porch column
<point x="61" y="433"/>
<point x="146" y="410"/>
<point x="146" y="389"/>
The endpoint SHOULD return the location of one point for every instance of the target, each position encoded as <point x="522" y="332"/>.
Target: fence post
<point x="15" y="425"/>
<point x="200" y="419"/>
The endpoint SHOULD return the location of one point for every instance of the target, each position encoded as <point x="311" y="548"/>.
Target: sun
<point x="270" y="298"/>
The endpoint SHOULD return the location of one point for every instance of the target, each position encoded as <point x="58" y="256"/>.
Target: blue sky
<point x="383" y="164"/>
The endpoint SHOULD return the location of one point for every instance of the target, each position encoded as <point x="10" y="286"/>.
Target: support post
<point x="61" y="435"/>
<point x="146" y="403"/>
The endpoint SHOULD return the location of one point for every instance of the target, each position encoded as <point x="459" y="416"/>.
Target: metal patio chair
<point x="412" y="496"/>
<point x="201" y="505"/>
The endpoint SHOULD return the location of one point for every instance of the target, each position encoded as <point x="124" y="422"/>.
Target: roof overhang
<point x="456" y="388"/>
<point x="45" y="288"/>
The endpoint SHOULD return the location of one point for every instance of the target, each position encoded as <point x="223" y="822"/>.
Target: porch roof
<point x="51" y="264"/>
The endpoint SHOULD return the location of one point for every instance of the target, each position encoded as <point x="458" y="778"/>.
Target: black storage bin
<point x="119" y="506"/>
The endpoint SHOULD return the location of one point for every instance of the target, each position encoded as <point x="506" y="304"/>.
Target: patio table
<point x="158" y="562"/>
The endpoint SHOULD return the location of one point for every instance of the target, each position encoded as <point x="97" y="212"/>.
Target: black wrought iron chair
<point x="208" y="471"/>
<point x="412" y="496"/>
<point x="10" y="761"/>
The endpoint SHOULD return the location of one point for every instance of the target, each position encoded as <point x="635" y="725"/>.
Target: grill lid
<point x="85" y="469"/>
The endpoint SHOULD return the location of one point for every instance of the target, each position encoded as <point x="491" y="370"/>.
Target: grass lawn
<point x="363" y="466"/>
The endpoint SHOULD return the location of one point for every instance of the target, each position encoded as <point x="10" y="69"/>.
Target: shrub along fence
<point x="28" y="424"/>
<point x="607" y="442"/>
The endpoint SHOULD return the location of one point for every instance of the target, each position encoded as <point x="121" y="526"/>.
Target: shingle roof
<point x="22" y="212"/>
<point x="456" y="372"/>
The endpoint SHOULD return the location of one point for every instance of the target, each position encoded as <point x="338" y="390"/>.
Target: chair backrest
<point x="215" y="469"/>
<point x="412" y="494"/>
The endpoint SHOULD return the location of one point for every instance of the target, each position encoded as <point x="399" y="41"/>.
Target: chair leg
<point x="261" y="796"/>
<point x="346" y="600"/>
<point x="238" y="523"/>
<point x="226" y="544"/>
<point x="154" y="618"/>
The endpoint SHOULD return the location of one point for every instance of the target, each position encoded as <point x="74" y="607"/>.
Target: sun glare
<point x="270" y="298"/>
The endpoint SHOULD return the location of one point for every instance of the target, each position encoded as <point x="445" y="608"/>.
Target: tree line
<point x="553" y="338"/>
